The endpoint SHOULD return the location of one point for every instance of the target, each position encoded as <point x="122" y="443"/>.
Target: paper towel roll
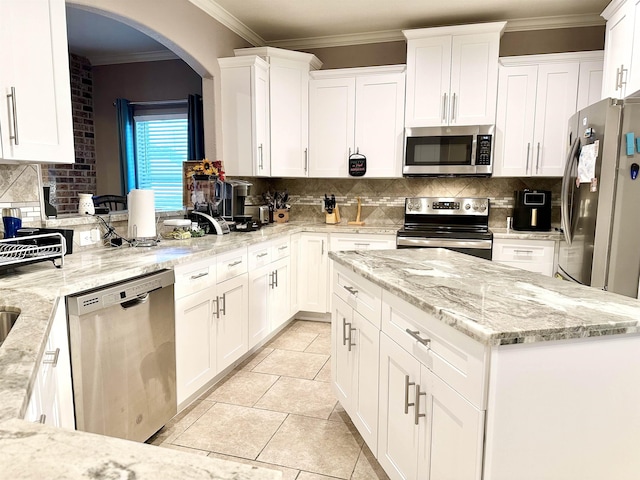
<point x="142" y="214"/>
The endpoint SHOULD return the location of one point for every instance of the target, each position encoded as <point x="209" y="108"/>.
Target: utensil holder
<point x="281" y="215"/>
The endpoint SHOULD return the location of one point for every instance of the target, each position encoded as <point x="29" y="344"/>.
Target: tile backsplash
<point x="383" y="199"/>
<point x="20" y="187"/>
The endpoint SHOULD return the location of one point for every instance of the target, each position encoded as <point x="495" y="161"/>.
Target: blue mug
<point x="12" y="221"/>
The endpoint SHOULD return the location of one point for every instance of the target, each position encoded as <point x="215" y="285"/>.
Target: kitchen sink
<point x="8" y="317"/>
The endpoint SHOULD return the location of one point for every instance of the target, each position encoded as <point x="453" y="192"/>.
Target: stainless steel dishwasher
<point x="123" y="360"/>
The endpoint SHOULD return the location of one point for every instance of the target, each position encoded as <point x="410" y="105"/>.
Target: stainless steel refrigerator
<point x="600" y="202"/>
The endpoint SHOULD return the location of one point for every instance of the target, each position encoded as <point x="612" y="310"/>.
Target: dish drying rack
<point x="33" y="248"/>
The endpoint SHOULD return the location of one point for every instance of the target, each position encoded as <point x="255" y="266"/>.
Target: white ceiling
<point x="316" y="23"/>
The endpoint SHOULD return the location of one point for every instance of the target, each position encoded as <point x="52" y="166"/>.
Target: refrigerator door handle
<point x="564" y="196"/>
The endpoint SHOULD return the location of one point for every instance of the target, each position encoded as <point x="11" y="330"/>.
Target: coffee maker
<point x="207" y="198"/>
<point x="532" y="210"/>
<point x="234" y="199"/>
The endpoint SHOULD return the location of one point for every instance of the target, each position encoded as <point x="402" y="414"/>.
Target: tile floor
<point x="277" y="410"/>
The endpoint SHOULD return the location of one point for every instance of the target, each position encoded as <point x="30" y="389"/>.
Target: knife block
<point x="333" y="217"/>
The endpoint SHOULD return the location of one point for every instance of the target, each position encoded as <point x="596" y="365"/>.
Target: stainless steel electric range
<point x="459" y="223"/>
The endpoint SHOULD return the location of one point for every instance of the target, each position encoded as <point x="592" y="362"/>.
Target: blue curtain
<point x="126" y="145"/>
<point x="195" y="140"/>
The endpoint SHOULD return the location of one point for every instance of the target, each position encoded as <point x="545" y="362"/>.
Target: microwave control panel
<point x="483" y="152"/>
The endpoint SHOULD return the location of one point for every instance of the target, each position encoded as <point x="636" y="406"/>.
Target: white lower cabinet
<point x="533" y="255"/>
<point x="398" y="440"/>
<point x="211" y="312"/>
<point x="51" y="400"/>
<point x="195" y="347"/>
<point x="354" y="368"/>
<point x="313" y="272"/>
<point x="231" y="319"/>
<point x="429" y="381"/>
<point x="451" y="432"/>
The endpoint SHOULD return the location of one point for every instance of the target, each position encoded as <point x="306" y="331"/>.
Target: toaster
<point x="259" y="213"/>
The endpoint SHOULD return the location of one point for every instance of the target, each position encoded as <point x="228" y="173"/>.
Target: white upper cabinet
<point x="618" y="47"/>
<point x="35" y="114"/>
<point x="289" y="108"/>
<point x="537" y="95"/>
<point x="244" y="86"/>
<point x="452" y="75"/>
<point x="356" y="110"/>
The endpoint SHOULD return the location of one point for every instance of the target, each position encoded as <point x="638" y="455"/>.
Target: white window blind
<point x="161" y="147"/>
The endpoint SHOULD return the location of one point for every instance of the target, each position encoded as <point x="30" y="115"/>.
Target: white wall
<point x="189" y="32"/>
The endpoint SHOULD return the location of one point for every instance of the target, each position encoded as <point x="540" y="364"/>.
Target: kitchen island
<point x="486" y="371"/>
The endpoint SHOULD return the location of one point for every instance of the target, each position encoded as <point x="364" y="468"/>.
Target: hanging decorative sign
<point x="357" y="165"/>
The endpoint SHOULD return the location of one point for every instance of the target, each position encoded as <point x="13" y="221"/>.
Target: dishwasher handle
<point x="134" y="302"/>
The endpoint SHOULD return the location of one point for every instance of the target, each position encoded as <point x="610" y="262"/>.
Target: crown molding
<point x="516" y="25"/>
<point x="550" y="23"/>
<point x="229" y="21"/>
<point x="340" y="40"/>
<point x="153" y="56"/>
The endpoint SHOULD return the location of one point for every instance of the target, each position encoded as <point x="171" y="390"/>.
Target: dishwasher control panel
<point x="118" y="293"/>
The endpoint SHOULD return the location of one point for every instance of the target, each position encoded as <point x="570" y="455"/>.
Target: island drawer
<point x="194" y="277"/>
<point x="231" y="264"/>
<point x="360" y="294"/>
<point x="457" y="359"/>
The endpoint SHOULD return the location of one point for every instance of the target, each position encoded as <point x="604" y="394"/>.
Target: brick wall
<point x="69" y="180"/>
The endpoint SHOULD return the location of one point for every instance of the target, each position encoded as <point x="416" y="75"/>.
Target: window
<point x="161" y="147"/>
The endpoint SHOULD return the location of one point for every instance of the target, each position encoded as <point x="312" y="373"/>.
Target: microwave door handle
<point x="564" y="196"/>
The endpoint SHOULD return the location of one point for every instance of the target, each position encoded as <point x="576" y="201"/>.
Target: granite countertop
<point x="509" y="233"/>
<point x="493" y="303"/>
<point x="29" y="450"/>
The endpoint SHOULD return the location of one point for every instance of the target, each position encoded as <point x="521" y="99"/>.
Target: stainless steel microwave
<point x="449" y="151"/>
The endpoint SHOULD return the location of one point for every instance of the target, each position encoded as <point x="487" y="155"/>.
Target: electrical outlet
<point x="89" y="237"/>
<point x="84" y="238"/>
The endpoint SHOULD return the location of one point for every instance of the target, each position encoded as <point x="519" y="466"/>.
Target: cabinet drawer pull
<point x="52" y="361"/>
<point x="362" y="244"/>
<point x="417" y="409"/>
<point x="15" y="116"/>
<point x="528" y="252"/>
<point x="260" y="255"/>
<point x="200" y="275"/>
<point x="237" y="262"/>
<point x="351" y="290"/>
<point x="416" y="334"/>
<point x="407" y="384"/>
<point x="283" y="247"/>
<point x="42" y="418"/>
<point x="349" y="338"/>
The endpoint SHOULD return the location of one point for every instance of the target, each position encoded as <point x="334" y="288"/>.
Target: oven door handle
<point x="441" y="242"/>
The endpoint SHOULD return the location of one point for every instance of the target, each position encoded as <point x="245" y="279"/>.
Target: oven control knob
<point x="467" y="206"/>
<point x="413" y="206"/>
<point x="483" y="207"/>
<point x="475" y="206"/>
